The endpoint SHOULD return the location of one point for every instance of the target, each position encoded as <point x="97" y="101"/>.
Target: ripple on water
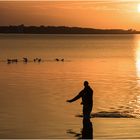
<point x="107" y="114"/>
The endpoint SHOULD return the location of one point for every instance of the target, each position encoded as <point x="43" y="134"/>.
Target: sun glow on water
<point x="138" y="61"/>
<point x="139" y="8"/>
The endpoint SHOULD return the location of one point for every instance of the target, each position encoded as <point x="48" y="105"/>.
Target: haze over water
<point x="33" y="95"/>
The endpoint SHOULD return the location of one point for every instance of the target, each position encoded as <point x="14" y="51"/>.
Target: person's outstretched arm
<point x="76" y="97"/>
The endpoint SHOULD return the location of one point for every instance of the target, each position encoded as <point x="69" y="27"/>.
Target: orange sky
<point x="95" y="13"/>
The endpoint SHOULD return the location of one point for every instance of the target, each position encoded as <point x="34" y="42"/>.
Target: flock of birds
<point x="26" y="60"/>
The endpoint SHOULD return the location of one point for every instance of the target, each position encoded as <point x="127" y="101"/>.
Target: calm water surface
<point x="33" y="95"/>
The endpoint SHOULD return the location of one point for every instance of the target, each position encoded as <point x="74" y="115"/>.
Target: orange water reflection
<point x="137" y="51"/>
<point x="135" y="103"/>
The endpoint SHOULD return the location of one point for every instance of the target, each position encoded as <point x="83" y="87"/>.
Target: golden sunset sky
<point x="124" y="14"/>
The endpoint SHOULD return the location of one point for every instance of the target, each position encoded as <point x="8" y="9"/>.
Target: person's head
<point x="86" y="83"/>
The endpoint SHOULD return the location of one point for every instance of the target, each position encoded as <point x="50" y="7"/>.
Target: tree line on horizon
<point x="22" y="29"/>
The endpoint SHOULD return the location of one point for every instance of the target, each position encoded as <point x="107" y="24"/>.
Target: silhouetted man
<point x="87" y="101"/>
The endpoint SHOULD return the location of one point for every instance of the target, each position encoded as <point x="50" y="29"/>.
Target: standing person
<point x="87" y="101"/>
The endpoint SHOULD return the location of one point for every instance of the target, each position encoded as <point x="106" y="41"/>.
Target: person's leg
<point x="87" y="131"/>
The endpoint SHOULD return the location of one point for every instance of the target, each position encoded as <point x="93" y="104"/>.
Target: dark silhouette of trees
<point x="61" y="30"/>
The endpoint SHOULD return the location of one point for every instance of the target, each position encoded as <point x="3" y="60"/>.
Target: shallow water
<point x="33" y="95"/>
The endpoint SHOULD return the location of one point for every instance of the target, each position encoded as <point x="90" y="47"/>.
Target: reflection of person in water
<point x="87" y="131"/>
<point x="87" y="102"/>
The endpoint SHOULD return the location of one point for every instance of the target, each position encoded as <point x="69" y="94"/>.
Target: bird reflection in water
<point x="87" y="131"/>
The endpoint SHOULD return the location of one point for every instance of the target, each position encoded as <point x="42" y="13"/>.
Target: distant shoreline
<point x="70" y="33"/>
<point x="21" y="29"/>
